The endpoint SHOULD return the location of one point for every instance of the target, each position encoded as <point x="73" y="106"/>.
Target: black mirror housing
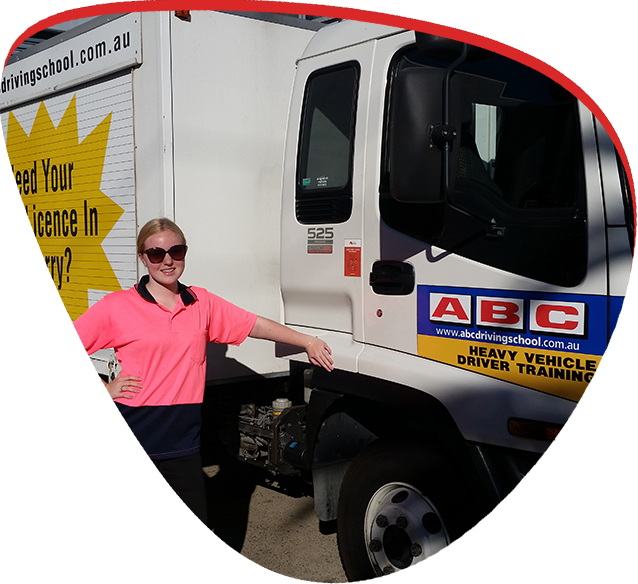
<point x="417" y="135"/>
<point x="449" y="50"/>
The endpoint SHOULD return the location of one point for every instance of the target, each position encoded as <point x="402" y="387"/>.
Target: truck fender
<point x="339" y="440"/>
<point x="356" y="410"/>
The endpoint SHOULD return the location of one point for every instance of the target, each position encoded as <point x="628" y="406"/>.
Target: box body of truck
<point x="126" y="119"/>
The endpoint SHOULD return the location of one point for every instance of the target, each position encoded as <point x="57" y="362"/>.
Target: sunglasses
<point x="156" y="255"/>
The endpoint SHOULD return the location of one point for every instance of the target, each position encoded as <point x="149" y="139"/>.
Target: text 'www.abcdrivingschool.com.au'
<point x="74" y="58"/>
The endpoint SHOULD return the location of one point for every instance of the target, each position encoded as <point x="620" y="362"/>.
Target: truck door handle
<point x="392" y="278"/>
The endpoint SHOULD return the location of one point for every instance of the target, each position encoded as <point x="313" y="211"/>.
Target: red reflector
<point x="533" y="429"/>
<point x="183" y="15"/>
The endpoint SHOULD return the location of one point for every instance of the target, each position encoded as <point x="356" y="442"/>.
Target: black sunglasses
<point x="156" y="255"/>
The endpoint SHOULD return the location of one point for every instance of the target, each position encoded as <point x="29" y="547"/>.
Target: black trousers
<point x="135" y="487"/>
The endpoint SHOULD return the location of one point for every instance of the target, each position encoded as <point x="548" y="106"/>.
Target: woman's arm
<point x="77" y="369"/>
<point x="318" y="351"/>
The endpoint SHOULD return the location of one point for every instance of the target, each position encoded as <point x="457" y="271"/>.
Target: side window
<point x="324" y="165"/>
<point x="517" y="198"/>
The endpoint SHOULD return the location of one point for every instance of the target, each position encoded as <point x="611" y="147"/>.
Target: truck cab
<point x="459" y="228"/>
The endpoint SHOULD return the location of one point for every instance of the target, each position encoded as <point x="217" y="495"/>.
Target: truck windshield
<point x="520" y="159"/>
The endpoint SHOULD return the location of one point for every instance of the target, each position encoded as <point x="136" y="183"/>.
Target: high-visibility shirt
<point x="167" y="350"/>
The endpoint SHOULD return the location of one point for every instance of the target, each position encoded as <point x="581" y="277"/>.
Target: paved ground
<point x="57" y="525"/>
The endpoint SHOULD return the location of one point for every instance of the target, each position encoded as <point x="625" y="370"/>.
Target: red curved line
<point x="393" y="20"/>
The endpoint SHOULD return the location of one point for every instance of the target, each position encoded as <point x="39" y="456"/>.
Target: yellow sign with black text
<point x="61" y="169"/>
<point x="555" y="372"/>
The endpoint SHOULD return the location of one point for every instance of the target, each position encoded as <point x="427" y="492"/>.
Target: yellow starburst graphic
<point x="59" y="180"/>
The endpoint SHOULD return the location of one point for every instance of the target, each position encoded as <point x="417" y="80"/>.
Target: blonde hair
<point x="156" y="226"/>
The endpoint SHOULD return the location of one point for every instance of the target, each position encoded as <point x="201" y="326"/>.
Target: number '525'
<point x="320" y="233"/>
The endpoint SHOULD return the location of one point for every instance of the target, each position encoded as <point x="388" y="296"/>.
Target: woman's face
<point x="168" y="271"/>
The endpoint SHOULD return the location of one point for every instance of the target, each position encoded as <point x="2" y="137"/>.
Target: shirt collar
<point x="187" y="295"/>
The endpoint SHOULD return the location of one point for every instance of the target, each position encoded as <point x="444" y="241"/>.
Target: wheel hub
<point x="402" y="528"/>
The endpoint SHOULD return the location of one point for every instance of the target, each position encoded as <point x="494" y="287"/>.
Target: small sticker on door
<point x="352" y="258"/>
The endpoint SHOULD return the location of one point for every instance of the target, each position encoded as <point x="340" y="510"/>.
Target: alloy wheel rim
<point x="405" y="537"/>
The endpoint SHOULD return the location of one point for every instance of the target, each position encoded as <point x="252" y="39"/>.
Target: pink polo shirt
<point x="167" y="350"/>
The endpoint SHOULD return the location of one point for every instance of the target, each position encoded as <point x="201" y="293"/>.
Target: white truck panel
<point x="480" y="406"/>
<point x="231" y="81"/>
<point x="153" y="122"/>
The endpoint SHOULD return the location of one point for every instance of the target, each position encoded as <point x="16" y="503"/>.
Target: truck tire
<point x="398" y="505"/>
<point x="19" y="433"/>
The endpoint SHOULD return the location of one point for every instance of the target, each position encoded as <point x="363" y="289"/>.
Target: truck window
<point x="324" y="167"/>
<point x="520" y="168"/>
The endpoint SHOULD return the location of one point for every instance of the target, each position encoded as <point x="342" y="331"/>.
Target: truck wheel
<point x="19" y="433"/>
<point x="398" y="505"/>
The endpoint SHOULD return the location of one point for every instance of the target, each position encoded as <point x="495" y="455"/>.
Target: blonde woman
<point x="159" y="330"/>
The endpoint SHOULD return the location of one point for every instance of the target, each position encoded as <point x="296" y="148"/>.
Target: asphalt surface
<point x="57" y="525"/>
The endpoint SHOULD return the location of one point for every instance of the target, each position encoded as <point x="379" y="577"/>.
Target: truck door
<point x="321" y="271"/>
<point x="505" y="274"/>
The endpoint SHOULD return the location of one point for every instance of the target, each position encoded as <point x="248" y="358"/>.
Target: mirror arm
<point x="444" y="135"/>
<point x="446" y="119"/>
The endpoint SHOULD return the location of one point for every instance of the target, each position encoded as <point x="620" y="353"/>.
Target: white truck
<point x="457" y="226"/>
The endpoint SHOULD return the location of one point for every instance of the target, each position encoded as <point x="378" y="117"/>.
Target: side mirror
<point x="447" y="49"/>
<point x="417" y="137"/>
<point x="425" y="121"/>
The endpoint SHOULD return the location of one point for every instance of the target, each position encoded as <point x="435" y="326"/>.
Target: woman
<point x="159" y="330"/>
